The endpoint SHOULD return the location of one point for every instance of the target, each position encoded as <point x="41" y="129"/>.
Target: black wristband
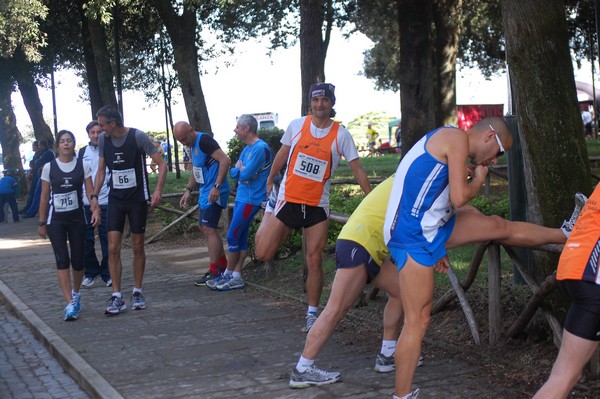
<point x="189" y="189"/>
<point x="42" y="224"/>
<point x="94" y="196"/>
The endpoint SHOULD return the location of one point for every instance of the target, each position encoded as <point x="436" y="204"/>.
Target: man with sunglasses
<point x="432" y="181"/>
<point x="209" y="173"/>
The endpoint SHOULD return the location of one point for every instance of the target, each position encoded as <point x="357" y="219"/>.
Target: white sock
<point x="237" y="274"/>
<point x="407" y="396"/>
<point x="137" y="290"/>
<point x="313" y="310"/>
<point x="388" y="347"/>
<point x="304" y="364"/>
<point x="117" y="294"/>
<point x="227" y="272"/>
<point x="75" y="294"/>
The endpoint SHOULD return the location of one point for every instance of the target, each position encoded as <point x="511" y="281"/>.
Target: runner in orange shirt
<point x="578" y="276"/>
<point x="312" y="146"/>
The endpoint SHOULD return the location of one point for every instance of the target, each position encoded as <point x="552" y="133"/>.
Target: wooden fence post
<point x="494" y="304"/>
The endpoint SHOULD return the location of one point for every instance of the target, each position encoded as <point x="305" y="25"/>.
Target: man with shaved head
<point x="209" y="172"/>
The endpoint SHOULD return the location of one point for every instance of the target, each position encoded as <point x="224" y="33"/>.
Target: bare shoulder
<point x="447" y="141"/>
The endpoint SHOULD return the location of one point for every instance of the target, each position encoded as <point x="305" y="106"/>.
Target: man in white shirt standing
<point x="93" y="268"/>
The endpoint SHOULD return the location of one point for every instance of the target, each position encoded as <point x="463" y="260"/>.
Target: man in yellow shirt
<point x="362" y="258"/>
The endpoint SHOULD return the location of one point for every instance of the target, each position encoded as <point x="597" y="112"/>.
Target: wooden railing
<point x="459" y="288"/>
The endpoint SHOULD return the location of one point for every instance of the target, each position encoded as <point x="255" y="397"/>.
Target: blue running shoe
<point x="71" y="312"/>
<point x="220" y="279"/>
<point x="76" y="301"/>
<point x="231" y="284"/>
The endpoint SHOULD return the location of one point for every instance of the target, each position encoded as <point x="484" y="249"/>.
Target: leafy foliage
<point x="492" y="206"/>
<point x="271" y="136"/>
<point x="20" y="28"/>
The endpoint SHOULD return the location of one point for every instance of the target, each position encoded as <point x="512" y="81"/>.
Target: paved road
<point x="27" y="369"/>
<point x="193" y="342"/>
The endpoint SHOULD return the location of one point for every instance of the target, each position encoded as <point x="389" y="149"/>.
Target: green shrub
<point x="271" y="136"/>
<point x="492" y="206"/>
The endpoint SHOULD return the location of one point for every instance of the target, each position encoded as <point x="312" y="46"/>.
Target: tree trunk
<point x="447" y="17"/>
<point x="91" y="70"/>
<point x="313" y="48"/>
<point x="182" y="32"/>
<point x="31" y="99"/>
<point x="104" y="73"/>
<point x="541" y="73"/>
<point x="10" y="137"/>
<point x="417" y="99"/>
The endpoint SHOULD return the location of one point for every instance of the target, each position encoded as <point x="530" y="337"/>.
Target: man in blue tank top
<point x="209" y="171"/>
<point x="432" y="180"/>
<point x="123" y="150"/>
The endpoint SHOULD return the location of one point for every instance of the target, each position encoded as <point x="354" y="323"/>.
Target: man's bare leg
<point x="316" y="239"/>
<point x="139" y="258"/>
<point x="215" y="244"/>
<point x="574" y="354"/>
<point x="347" y="285"/>
<point x="473" y="226"/>
<point x="114" y="259"/>
<point x="393" y="314"/>
<point x="416" y="291"/>
<point x="272" y="233"/>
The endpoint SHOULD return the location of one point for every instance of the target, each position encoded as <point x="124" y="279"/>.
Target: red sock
<point x="222" y="262"/>
<point x="213" y="268"/>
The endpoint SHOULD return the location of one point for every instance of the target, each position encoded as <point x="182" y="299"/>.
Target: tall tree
<point x="20" y="39"/>
<point x="314" y="41"/>
<point x="541" y="75"/>
<point x="416" y="46"/>
<point x="417" y="94"/>
<point x="182" y="29"/>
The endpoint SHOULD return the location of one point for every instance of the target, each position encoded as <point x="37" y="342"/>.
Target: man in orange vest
<point x="312" y="146"/>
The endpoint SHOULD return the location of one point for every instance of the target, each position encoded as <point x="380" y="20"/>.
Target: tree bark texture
<point x="104" y="72"/>
<point x="35" y="109"/>
<point x="447" y="18"/>
<point x="91" y="71"/>
<point x="182" y="32"/>
<point x="313" y="47"/>
<point x="10" y="137"/>
<point x="541" y="74"/>
<point x="417" y="93"/>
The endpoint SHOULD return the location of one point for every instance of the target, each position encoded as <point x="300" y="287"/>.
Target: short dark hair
<point x="91" y="125"/>
<point x="111" y="114"/>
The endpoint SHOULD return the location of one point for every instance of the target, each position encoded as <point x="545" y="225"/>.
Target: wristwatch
<point x="94" y="196"/>
<point x="42" y="223"/>
<point x="217" y="186"/>
<point x="189" y="189"/>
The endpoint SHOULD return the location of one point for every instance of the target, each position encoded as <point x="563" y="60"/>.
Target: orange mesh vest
<point x="580" y="258"/>
<point x="310" y="166"/>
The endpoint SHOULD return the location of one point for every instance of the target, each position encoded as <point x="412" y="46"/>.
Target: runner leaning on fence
<point x="432" y="181"/>
<point x="362" y="257"/>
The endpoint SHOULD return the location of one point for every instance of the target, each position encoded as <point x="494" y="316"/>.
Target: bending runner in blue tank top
<point x="209" y="171"/>
<point x="432" y="180"/>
